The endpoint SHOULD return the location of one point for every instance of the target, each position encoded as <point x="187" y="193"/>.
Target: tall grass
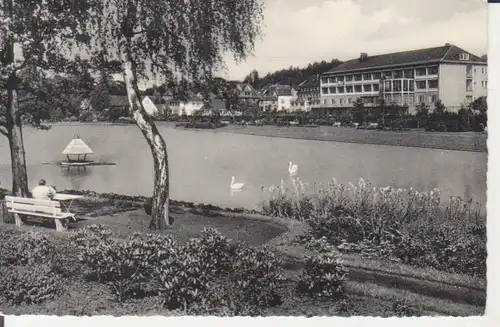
<point x="417" y="227"/>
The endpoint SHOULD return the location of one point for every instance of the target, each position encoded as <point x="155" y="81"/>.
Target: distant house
<point x="247" y="94"/>
<point x="119" y="103"/>
<point x="308" y="94"/>
<point x="188" y="107"/>
<point x="214" y="106"/>
<point x="277" y="97"/>
<point x="268" y="103"/>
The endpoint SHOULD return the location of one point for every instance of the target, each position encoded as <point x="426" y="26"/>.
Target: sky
<point x="298" y="32"/>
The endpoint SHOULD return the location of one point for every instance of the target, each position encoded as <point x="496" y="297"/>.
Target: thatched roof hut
<point x="77" y="147"/>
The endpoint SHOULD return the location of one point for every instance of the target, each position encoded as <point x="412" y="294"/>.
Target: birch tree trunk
<point x="17" y="153"/>
<point x="159" y="211"/>
<point x="13" y="126"/>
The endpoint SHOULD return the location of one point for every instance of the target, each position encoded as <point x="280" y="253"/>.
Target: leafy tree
<point x="422" y="112"/>
<point x="358" y="111"/>
<point x="33" y="35"/>
<point x="252" y="78"/>
<point x="175" y="41"/>
<point x="100" y="97"/>
<point x="439" y="108"/>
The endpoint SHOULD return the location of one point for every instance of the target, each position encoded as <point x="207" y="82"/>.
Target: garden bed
<point x="362" y="286"/>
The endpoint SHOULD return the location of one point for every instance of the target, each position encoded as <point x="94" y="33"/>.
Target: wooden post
<point x="59" y="225"/>
<point x="18" y="220"/>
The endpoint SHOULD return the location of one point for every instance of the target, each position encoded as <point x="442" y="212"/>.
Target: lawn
<point x="371" y="287"/>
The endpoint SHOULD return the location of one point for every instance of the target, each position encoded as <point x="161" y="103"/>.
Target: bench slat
<point x="47" y="203"/>
<point x="33" y="208"/>
<point x="62" y="215"/>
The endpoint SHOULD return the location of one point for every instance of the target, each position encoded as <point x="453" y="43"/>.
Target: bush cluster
<point x="205" y="272"/>
<point x="26" y="274"/>
<point x="323" y="276"/>
<point x="399" y="224"/>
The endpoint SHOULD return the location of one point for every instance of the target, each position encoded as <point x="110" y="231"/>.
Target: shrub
<point x="323" y="276"/>
<point x="28" y="284"/>
<point x="213" y="250"/>
<point x="256" y="275"/>
<point x="128" y="267"/>
<point x="183" y="280"/>
<point x="27" y="248"/>
<point x="90" y="244"/>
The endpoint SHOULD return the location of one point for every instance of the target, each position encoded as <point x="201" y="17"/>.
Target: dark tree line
<point x="295" y="75"/>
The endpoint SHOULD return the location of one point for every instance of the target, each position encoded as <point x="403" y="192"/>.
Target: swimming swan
<point x="236" y="186"/>
<point x="292" y="169"/>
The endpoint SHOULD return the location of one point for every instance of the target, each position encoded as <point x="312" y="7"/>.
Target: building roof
<point x="444" y="53"/>
<point x="311" y="82"/>
<point x="77" y="146"/>
<point x="269" y="98"/>
<point x="118" y="101"/>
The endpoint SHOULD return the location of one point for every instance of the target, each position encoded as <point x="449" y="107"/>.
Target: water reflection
<point x="76" y="176"/>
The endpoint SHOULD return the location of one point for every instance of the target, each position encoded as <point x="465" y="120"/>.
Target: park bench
<point x="39" y="208"/>
<point x="337" y="124"/>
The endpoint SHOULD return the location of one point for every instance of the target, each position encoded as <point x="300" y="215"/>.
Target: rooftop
<point x="448" y="52"/>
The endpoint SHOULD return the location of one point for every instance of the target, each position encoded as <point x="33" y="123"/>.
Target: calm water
<point x="202" y="162"/>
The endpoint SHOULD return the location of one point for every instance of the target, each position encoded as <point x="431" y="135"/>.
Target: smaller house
<point x="268" y="103"/>
<point x="154" y="106"/>
<point x="188" y="107"/>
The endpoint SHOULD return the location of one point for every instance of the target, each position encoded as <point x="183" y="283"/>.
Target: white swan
<point x="292" y="169"/>
<point x="236" y="186"/>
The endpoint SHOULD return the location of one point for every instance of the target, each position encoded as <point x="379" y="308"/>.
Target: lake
<point x="202" y="163"/>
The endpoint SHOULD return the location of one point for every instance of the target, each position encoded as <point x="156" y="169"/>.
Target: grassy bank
<point x="265" y="269"/>
<point x="473" y="142"/>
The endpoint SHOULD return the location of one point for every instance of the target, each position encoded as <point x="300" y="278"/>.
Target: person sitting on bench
<point x="42" y="191"/>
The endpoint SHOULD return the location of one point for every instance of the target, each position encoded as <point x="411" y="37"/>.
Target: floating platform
<point x="84" y="163"/>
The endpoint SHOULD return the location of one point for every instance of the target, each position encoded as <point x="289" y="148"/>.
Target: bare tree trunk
<point x="17" y="153"/>
<point x="159" y="210"/>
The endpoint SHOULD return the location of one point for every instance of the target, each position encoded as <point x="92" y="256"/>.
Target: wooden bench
<point x="40" y="208"/>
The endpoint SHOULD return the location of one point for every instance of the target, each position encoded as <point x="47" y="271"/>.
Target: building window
<point x="367" y="88"/>
<point x="341" y="101"/>
<point x="324" y="101"/>
<point x="433" y="98"/>
<point x="486" y="84"/>
<point x="349" y="101"/>
<point x="468" y="98"/>
<point x="464" y="56"/>
<point x="333" y="101"/>
<point x="397" y="86"/>
<point x="324" y="90"/>
<point x="375" y="87"/>
<point x="340" y="78"/>
<point x="348" y="78"/>
<point x="420" y="72"/>
<point x="324" y="80"/>
<point x="332" y="90"/>
<point x="421" y="85"/>
<point x="357" y="89"/>
<point x="408" y="73"/>
<point x="412" y="86"/>
<point x="421" y="99"/>
<point x="357" y="77"/>
<point x="468" y="85"/>
<point x="433" y="84"/>
<point x="387" y="74"/>
<point x="397" y="74"/>
<point x="340" y="89"/>
<point x="432" y="70"/>
<point x="405" y="85"/>
<point x="367" y="77"/>
<point x="376" y="75"/>
<point x="348" y="89"/>
<point x="482" y="84"/>
<point x="468" y="71"/>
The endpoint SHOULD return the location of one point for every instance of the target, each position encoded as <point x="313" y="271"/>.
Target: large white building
<point x="447" y="73"/>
